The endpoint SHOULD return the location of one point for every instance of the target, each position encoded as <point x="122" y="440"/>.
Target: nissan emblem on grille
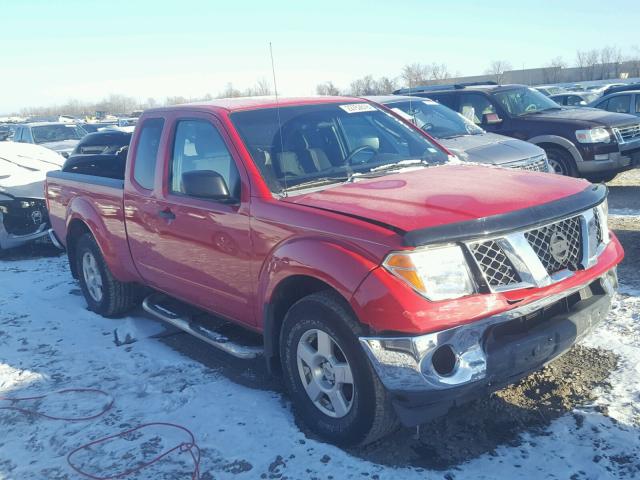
<point x="559" y="247"/>
<point x="36" y="217"/>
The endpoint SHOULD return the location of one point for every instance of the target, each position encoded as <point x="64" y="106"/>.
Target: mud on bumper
<point x="429" y="374"/>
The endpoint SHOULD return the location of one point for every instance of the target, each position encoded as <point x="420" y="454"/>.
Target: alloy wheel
<point x="325" y="373"/>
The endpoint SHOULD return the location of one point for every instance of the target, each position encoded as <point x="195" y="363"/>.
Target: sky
<point x="56" y="50"/>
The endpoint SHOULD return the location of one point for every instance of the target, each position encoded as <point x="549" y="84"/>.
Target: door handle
<point x="167" y="214"/>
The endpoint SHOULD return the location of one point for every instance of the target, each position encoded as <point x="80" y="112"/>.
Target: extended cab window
<point x="198" y="146"/>
<point x="473" y="107"/>
<point x="144" y="167"/>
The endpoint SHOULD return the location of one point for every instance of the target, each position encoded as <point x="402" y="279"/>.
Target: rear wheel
<point x="561" y="162"/>
<point x="104" y="294"/>
<point x="334" y="389"/>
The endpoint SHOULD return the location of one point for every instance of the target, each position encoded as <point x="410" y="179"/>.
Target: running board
<point x="153" y="305"/>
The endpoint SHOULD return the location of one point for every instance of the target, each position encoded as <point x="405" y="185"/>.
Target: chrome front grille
<point x="540" y="256"/>
<point x="534" y="164"/>
<point x="628" y="133"/>
<point x="598" y="226"/>
<point x="559" y="245"/>
<point x="496" y="267"/>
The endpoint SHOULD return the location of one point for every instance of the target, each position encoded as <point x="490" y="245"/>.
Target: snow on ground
<point x="49" y="341"/>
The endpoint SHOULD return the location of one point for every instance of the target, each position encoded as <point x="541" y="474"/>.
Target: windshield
<point x="56" y="133"/>
<point x="436" y="119"/>
<point x="329" y="143"/>
<point x="524" y="101"/>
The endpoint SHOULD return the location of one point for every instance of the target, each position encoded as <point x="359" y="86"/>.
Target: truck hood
<point x="441" y="195"/>
<point x="588" y="116"/>
<point x="491" y="148"/>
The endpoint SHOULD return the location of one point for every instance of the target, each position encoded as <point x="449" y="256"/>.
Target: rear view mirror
<point x="491" y="119"/>
<point x="205" y="184"/>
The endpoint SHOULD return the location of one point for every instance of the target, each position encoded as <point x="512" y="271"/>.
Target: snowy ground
<point x="244" y="426"/>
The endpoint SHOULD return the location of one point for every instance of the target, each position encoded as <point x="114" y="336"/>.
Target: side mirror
<point x="205" y="184"/>
<point x="491" y="119"/>
<point x="582" y="103"/>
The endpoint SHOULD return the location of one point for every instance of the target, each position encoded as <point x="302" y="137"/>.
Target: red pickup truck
<point x="387" y="282"/>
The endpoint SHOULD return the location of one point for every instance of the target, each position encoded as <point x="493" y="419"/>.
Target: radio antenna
<point x="275" y="89"/>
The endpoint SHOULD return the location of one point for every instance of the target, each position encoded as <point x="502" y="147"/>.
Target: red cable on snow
<point x="27" y="411"/>
<point x="190" y="447"/>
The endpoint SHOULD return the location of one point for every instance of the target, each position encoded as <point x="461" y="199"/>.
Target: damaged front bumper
<point x="426" y="375"/>
<point x="22" y="220"/>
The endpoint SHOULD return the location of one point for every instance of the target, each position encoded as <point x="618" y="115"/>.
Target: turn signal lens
<point x="437" y="273"/>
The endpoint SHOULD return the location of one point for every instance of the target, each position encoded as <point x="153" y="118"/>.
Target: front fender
<point x="341" y="268"/>
<point x="561" y="142"/>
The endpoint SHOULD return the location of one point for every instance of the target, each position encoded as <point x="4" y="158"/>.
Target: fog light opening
<point x="444" y="361"/>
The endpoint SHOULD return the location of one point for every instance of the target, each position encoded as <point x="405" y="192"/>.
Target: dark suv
<point x="579" y="141"/>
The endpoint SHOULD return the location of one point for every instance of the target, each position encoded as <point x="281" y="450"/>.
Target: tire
<point x="562" y="162"/>
<point x="602" y="178"/>
<point x="115" y="297"/>
<point x="369" y="414"/>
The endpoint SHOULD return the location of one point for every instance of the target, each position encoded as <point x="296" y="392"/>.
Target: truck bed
<point x="73" y="198"/>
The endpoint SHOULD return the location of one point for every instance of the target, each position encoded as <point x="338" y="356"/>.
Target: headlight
<point x="595" y="135"/>
<point x="603" y="213"/>
<point x="436" y="273"/>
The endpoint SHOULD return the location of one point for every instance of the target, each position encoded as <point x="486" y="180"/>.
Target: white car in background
<point x="23" y="213"/>
<point x="57" y="136"/>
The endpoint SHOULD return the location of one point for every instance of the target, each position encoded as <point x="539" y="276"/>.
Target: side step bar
<point x="152" y="305"/>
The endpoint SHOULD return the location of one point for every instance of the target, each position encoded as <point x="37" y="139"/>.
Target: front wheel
<point x="561" y="162"/>
<point x="334" y="389"/>
<point x="104" y="294"/>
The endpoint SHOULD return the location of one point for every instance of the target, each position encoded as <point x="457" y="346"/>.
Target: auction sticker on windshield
<point x="357" y="108"/>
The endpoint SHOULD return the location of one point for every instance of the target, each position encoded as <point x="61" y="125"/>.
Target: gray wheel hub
<point x="92" y="276"/>
<point x="325" y="373"/>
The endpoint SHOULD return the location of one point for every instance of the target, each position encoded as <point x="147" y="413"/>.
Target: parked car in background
<point x="105" y="141"/>
<point x="127" y="122"/>
<point x="620" y="102"/>
<point x="600" y="88"/>
<point x="96" y="127"/>
<point x="59" y="137"/>
<point x="549" y="90"/>
<point x="574" y="99"/>
<point x="583" y="142"/>
<point x="7" y="131"/>
<point x="23" y="215"/>
<point x="383" y="283"/>
<point x="462" y="137"/>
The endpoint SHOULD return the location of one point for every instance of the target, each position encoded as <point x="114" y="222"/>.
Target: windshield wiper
<point x="315" y="182"/>
<point x="382" y="169"/>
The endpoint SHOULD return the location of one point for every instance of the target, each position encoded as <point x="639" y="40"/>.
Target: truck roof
<point x="252" y="103"/>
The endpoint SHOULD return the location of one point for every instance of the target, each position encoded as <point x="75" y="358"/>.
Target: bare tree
<point x="327" y="88"/>
<point x="498" y="69"/>
<point x="610" y="62"/>
<point x="633" y="61"/>
<point x="587" y="62"/>
<point x="364" y="86"/>
<point x="229" y="92"/>
<point x="386" y="85"/>
<point x="262" y="87"/>
<point x="415" y="74"/>
<point x="553" y="71"/>
<point x="439" y="71"/>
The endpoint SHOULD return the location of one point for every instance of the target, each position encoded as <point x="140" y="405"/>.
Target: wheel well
<point x="554" y="146"/>
<point x="288" y="292"/>
<point x="76" y="229"/>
